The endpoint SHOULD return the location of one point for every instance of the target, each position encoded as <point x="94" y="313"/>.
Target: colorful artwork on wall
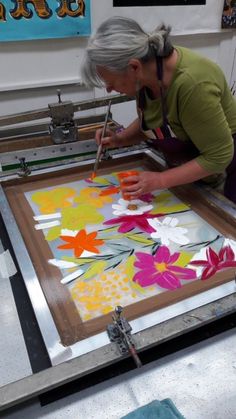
<point x="40" y="19"/>
<point x="229" y="14"/>
<point x="114" y="252"/>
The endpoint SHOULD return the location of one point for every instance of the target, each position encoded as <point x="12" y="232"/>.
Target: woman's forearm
<point x="131" y="135"/>
<point x="146" y="181"/>
<point x="186" y="173"/>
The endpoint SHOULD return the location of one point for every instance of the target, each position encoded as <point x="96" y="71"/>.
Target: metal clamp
<point x="62" y="128"/>
<point x="120" y="332"/>
<point x="24" y="168"/>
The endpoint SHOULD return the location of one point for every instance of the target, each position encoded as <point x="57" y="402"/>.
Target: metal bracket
<point x="24" y="168"/>
<point x="62" y="128"/>
<point x="120" y="332"/>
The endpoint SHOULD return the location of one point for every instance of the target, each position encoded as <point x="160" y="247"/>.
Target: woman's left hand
<point x="142" y="183"/>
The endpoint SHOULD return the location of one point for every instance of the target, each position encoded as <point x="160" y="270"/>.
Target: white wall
<point x="31" y="71"/>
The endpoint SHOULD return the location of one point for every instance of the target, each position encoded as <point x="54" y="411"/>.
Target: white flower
<point x="167" y="231"/>
<point x="62" y="264"/>
<point x="133" y="207"/>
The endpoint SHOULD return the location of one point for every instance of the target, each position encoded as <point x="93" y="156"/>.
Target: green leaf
<point x="130" y="271"/>
<point x="95" y="268"/>
<point x="101" y="181"/>
<point x="184" y="259"/>
<point x="53" y="233"/>
<point x="79" y="261"/>
<point x="115" y="261"/>
<point x="83" y="261"/>
<point x="107" y="230"/>
<point x="140" y="239"/>
<point x="118" y="247"/>
<point x="117" y="236"/>
<point x="129" y="267"/>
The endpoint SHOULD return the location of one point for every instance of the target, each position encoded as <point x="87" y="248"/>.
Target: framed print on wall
<point x="42" y="19"/>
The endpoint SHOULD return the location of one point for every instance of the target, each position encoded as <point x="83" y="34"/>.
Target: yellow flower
<point x="75" y="219"/>
<point x="55" y="199"/>
<point x="92" y="196"/>
<point x="79" y="217"/>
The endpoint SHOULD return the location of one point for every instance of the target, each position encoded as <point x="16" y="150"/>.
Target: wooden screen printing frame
<point x="70" y="327"/>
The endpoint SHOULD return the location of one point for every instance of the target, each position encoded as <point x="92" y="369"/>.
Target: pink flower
<point x="216" y="262"/>
<point x="160" y="269"/>
<point x="147" y="197"/>
<point x="129" y="222"/>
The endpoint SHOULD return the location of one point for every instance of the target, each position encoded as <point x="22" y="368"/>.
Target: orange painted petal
<point x="92" y="235"/>
<point x="94" y="242"/>
<point x="92" y="249"/>
<point x="110" y="191"/>
<point x="99" y="242"/>
<point x="69" y="239"/>
<point x="81" y="234"/>
<point x="90" y="245"/>
<point x="66" y="246"/>
<point x="78" y="251"/>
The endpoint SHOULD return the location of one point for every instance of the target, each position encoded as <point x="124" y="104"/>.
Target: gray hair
<point x="117" y="41"/>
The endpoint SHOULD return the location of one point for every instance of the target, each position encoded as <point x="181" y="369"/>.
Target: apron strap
<point x="141" y="101"/>
<point x="165" y="128"/>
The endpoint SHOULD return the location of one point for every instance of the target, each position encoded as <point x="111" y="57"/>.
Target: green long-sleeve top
<point x="200" y="108"/>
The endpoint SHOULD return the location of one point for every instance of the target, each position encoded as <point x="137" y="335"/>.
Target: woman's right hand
<point x="109" y="140"/>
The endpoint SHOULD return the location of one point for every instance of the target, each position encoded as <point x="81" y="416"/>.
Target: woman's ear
<point x="135" y="66"/>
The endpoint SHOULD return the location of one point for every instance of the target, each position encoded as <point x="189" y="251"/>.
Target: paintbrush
<point x="99" y="150"/>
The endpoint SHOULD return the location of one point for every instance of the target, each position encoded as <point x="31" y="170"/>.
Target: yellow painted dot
<point x="107" y="309"/>
<point x="92" y="306"/>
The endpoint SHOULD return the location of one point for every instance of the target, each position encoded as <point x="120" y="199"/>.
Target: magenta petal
<point x="143" y="280"/>
<point x="173" y="258"/>
<point x="209" y="271"/>
<point x="112" y="221"/>
<point x="162" y="255"/>
<point x="226" y="253"/>
<point x="167" y="280"/>
<point x="145" y="258"/>
<point x="142" y="265"/>
<point x="129" y="222"/>
<point x="199" y="262"/>
<point x="147" y="273"/>
<point x="212" y="256"/>
<point x="145" y="226"/>
<point x="126" y="227"/>
<point x="147" y="197"/>
<point x="227" y="264"/>
<point x="229" y="253"/>
<point x="185" y="273"/>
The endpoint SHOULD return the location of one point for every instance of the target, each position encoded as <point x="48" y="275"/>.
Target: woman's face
<point x="121" y="82"/>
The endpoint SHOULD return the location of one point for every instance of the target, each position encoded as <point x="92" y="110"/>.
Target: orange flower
<point x="110" y="191"/>
<point x="82" y="241"/>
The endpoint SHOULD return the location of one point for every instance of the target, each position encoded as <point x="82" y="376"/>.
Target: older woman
<point x="184" y="104"/>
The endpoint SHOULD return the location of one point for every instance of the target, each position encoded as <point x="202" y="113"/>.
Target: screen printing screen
<point x="92" y="250"/>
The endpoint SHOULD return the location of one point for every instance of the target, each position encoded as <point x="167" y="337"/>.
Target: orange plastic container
<point x="123" y="175"/>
